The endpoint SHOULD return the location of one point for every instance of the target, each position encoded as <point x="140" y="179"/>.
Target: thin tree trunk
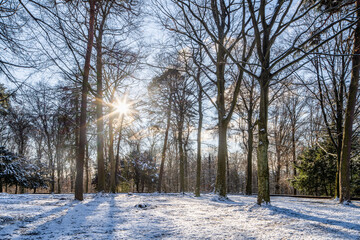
<point x="227" y="174"/>
<point x="176" y="166"/>
<point x="51" y="160"/>
<point x="76" y="150"/>
<point x="99" y="115"/>
<point x="111" y="153"/>
<point x="186" y="163"/>
<point x="339" y="128"/>
<point x="198" y="157"/>
<point x="186" y="167"/>
<point x="58" y="160"/>
<point x="278" y="170"/>
<point x="249" y="153"/>
<point x="79" y="188"/>
<point x="278" y="140"/>
<point x="181" y="155"/>
<point x="349" y="115"/>
<point x="209" y="173"/>
<point x="163" y="153"/>
<point x="87" y="179"/>
<point x="293" y="130"/>
<point x="117" y="165"/>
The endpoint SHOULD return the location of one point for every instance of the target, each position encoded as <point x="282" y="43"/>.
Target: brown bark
<point x="293" y="131"/>
<point x="278" y="156"/>
<point x="59" y="169"/>
<point x="99" y="114"/>
<point x="181" y="155"/>
<point x="349" y="114"/>
<point x="87" y="168"/>
<point x="339" y="125"/>
<point x="250" y="144"/>
<point x="262" y="152"/>
<point x="104" y="10"/>
<point x="111" y="153"/>
<point x="163" y="153"/>
<point x="198" y="157"/>
<point x="186" y="163"/>
<point x="220" y="186"/>
<point x="50" y="156"/>
<point x="209" y="173"/>
<point x="117" y="165"/>
<point x="264" y="81"/>
<point x="79" y="188"/>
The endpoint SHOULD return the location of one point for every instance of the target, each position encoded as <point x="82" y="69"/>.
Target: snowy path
<point x="173" y="216"/>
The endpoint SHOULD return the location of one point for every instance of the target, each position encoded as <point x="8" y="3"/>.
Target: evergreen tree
<point x="316" y="171"/>
<point x="15" y="170"/>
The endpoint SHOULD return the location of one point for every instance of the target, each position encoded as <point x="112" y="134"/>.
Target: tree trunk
<point x="163" y="153"/>
<point x="58" y="160"/>
<point x="111" y="152"/>
<point x="198" y="156"/>
<point x="181" y="155"/>
<point x="209" y="173"/>
<point x="349" y="115"/>
<point x="186" y="163"/>
<point x="79" y="188"/>
<point x="51" y="160"/>
<point x="99" y="115"/>
<point x="186" y="172"/>
<point x="76" y="141"/>
<point x="117" y="165"/>
<point x="87" y="168"/>
<point x="293" y="130"/>
<point x="278" y="170"/>
<point x="250" y="142"/>
<point x="262" y="152"/>
<point x="222" y="155"/>
<point x="220" y="186"/>
<point x="227" y="174"/>
<point x="176" y="166"/>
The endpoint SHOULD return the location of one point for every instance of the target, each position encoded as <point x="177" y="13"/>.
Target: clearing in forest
<point x="174" y="216"/>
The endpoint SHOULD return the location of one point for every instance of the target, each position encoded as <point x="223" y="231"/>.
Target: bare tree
<point x="349" y="114"/>
<point x="225" y="25"/>
<point x="270" y="20"/>
<point x="79" y="186"/>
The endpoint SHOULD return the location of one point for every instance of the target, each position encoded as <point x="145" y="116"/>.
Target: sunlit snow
<point x="174" y="216"/>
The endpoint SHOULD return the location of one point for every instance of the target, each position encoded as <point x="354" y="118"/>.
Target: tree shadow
<point x="338" y="223"/>
<point x="63" y="223"/>
<point x="226" y="200"/>
<point x="99" y="218"/>
<point x="21" y="224"/>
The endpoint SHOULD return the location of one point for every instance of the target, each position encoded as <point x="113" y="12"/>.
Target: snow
<point x="174" y="216"/>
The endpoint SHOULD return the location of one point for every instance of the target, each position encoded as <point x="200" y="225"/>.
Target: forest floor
<point x="174" y="216"/>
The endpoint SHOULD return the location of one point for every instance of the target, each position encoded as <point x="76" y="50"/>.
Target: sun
<point x="122" y="107"/>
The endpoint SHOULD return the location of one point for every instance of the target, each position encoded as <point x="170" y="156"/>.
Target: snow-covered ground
<point x="174" y="216"/>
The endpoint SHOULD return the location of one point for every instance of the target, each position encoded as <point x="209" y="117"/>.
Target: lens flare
<point x="122" y="107"/>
